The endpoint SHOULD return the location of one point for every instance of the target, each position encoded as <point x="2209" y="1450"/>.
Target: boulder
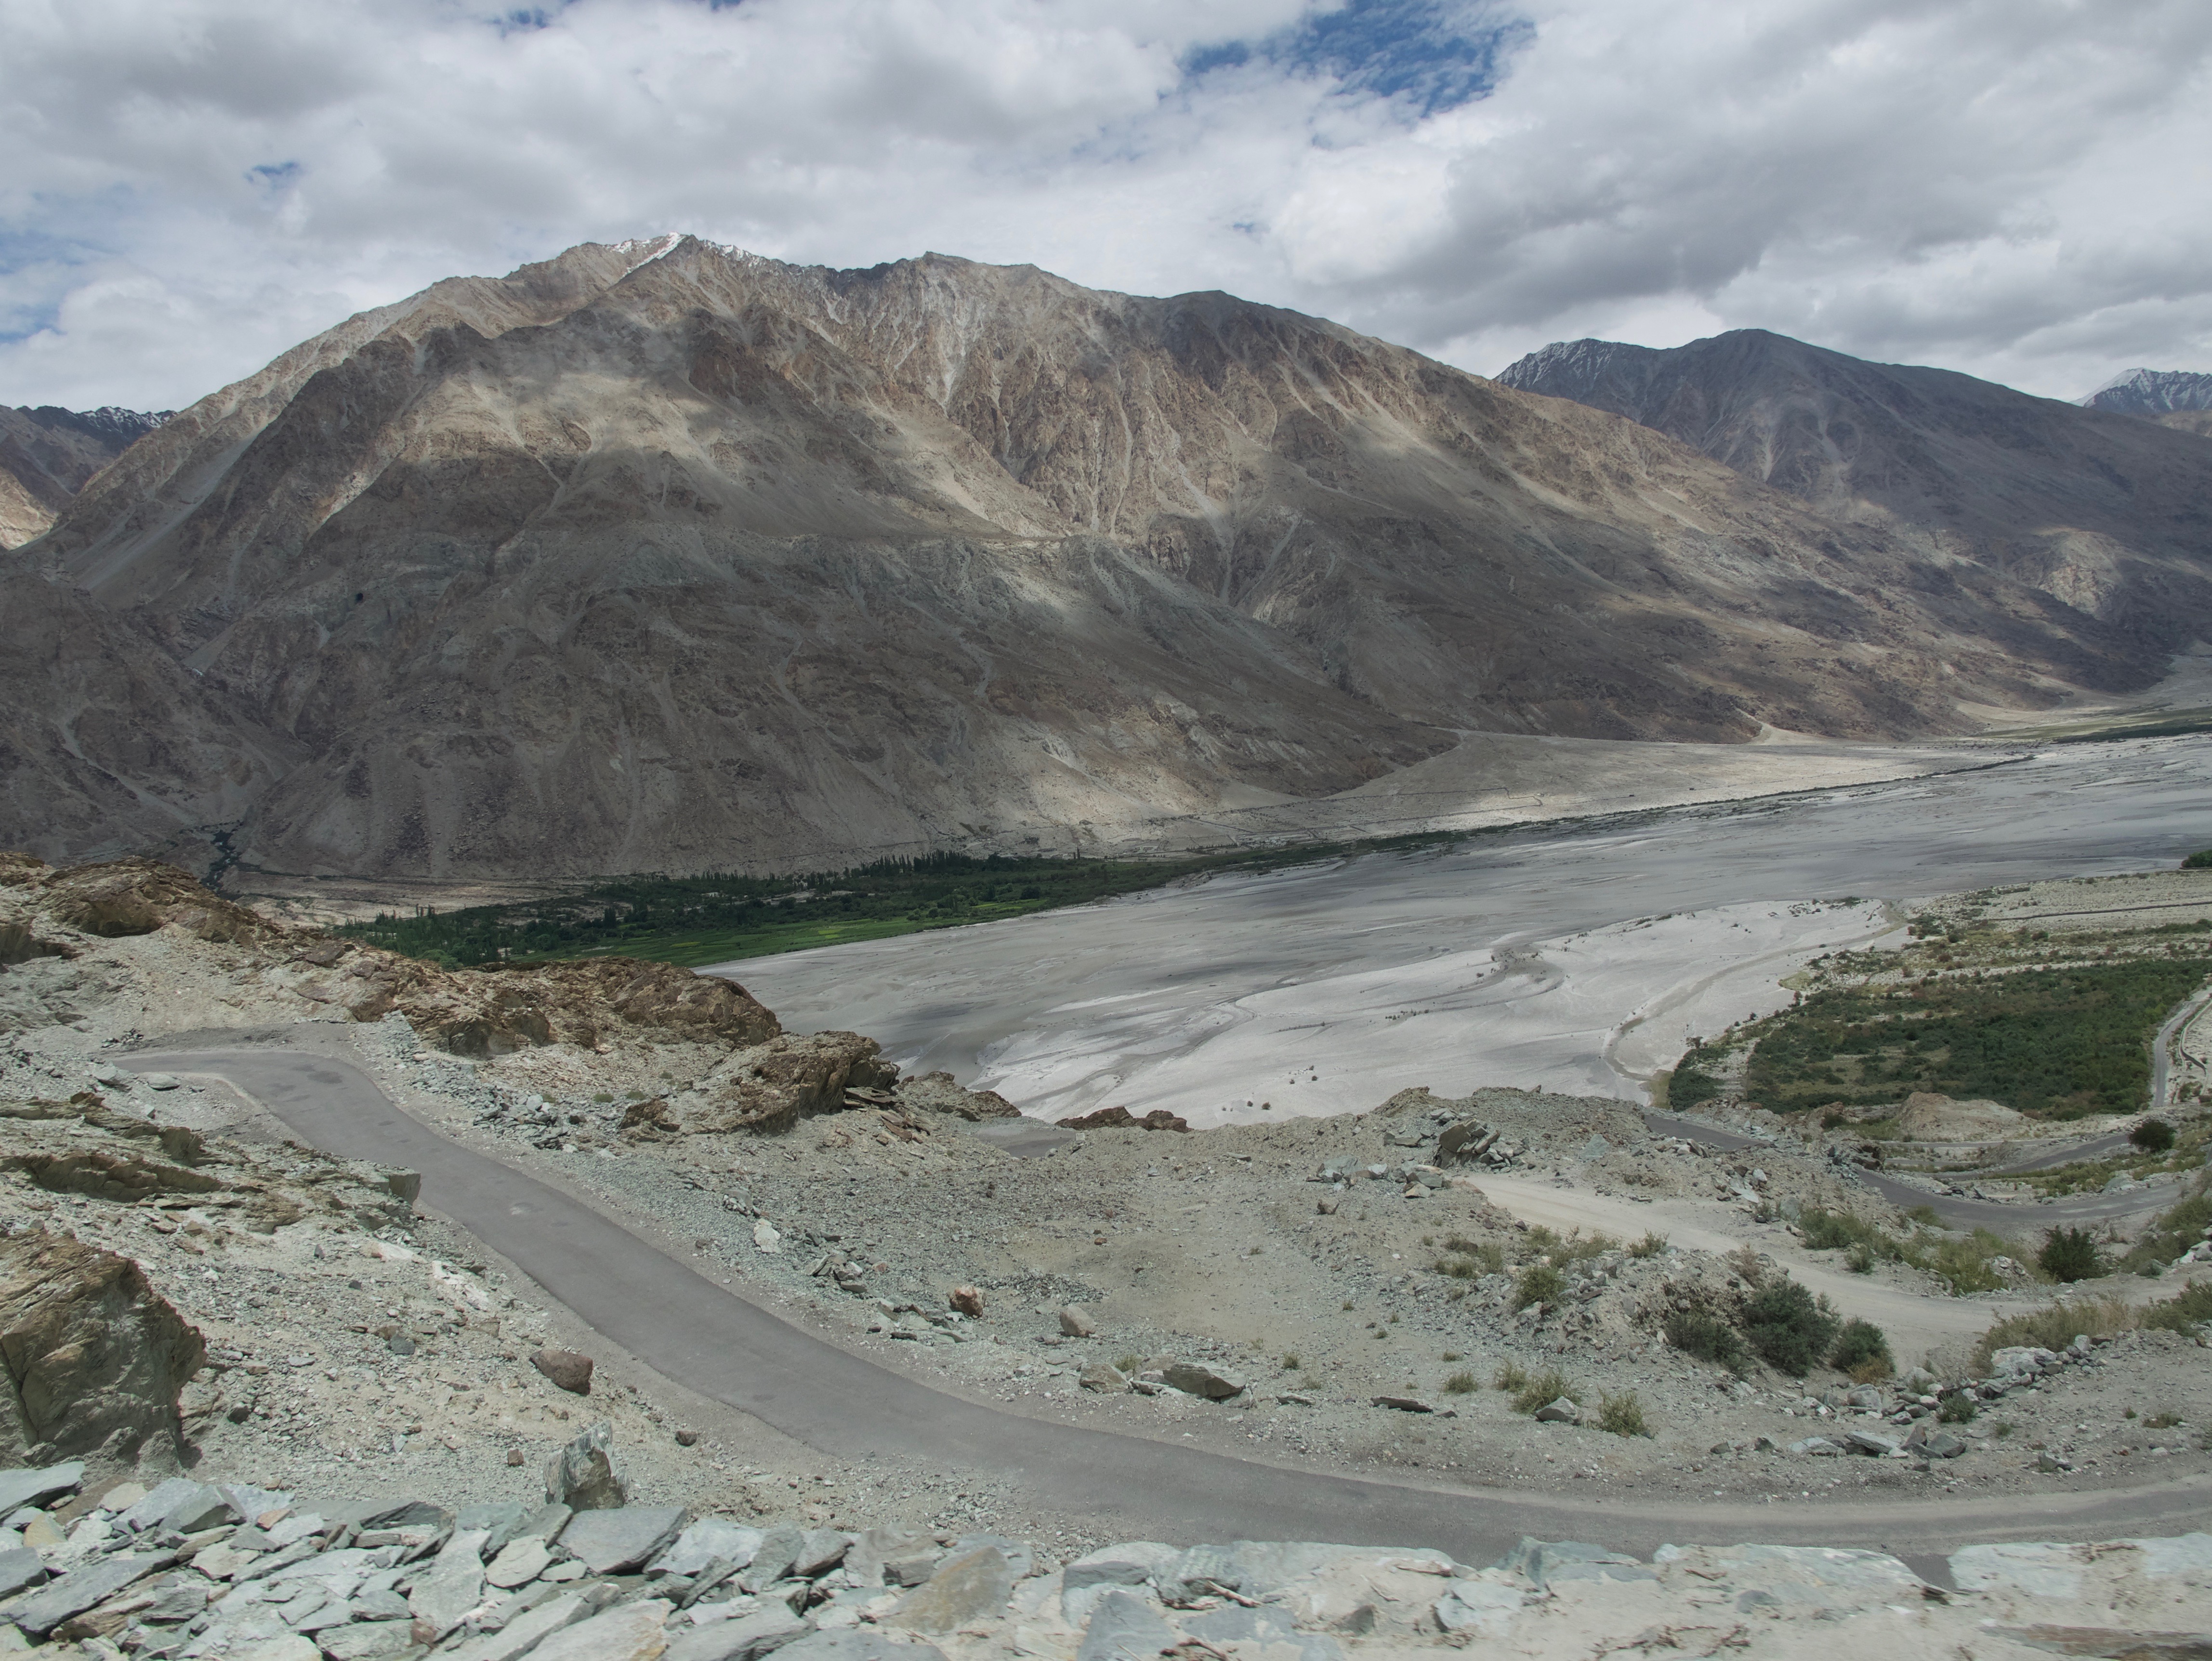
<point x="445" y="1593"/>
<point x="519" y="1635"/>
<point x="772" y="1086"/>
<point x="96" y="1356"/>
<point x="1403" y="1404"/>
<point x="19" y="1488"/>
<point x="746" y="1638"/>
<point x="518" y="1563"/>
<point x="584" y="1476"/>
<point x="567" y="1369"/>
<point x="85" y="1588"/>
<point x="969" y="1587"/>
<point x="1562" y="1411"/>
<point x="1871" y="1442"/>
<point x="969" y="1301"/>
<point x="1195" y="1378"/>
<point x="708" y="1540"/>
<point x="622" y="1540"/>
<point x="1124" y="1627"/>
<point x="1119" y="1118"/>
<point x="628" y="1632"/>
<point x="1104" y="1378"/>
<point x="940" y="1092"/>
<point x="1076" y="1323"/>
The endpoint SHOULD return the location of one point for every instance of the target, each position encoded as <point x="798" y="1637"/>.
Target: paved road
<point x="712" y="1341"/>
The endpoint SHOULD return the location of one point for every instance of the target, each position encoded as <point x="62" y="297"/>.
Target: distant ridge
<point x="48" y="454"/>
<point x="2153" y="391"/>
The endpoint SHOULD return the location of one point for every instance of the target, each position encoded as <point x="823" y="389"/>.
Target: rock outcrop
<point x="772" y="1086"/>
<point x="95" y="1357"/>
<point x="666" y="556"/>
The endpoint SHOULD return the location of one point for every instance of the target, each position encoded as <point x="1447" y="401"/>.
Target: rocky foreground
<point x="193" y="1568"/>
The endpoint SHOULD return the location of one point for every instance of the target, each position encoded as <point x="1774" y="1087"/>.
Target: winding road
<point x="712" y="1341"/>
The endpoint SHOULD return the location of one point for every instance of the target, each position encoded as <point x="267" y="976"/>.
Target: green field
<point x="717" y="918"/>
<point x="1992" y="1016"/>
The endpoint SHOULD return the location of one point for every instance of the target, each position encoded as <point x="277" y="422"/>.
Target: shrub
<point x="1651" y="1245"/>
<point x="1623" y="1415"/>
<point x="1460" y="1384"/>
<point x="1701" y="1333"/>
<point x="2152" y="1136"/>
<point x="1510" y="1378"/>
<point x="2069" y="1255"/>
<point x="1540" y="1283"/>
<point x="1833" y="1231"/>
<point x="2201" y="860"/>
<point x="2183" y="1312"/>
<point x="2055" y="1326"/>
<point x="1290" y="1363"/>
<point x="1859" y="1345"/>
<point x="1958" y="1408"/>
<point x="1459" y="1268"/>
<point x="1860" y="1259"/>
<point x="1788" y="1327"/>
<point x="1545" y="1387"/>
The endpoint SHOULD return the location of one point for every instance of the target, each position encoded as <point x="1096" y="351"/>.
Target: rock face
<point x="663" y="556"/>
<point x="774" y="1085"/>
<point x="95" y="1357"/>
<point x="2094" y="510"/>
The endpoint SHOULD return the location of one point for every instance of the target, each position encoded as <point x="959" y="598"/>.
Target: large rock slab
<point x="747" y="1638"/>
<point x="518" y="1635"/>
<point x="1196" y="1378"/>
<point x="95" y="1354"/>
<point x="632" y="1632"/>
<point x="85" y="1588"/>
<point x="709" y="1539"/>
<point x="851" y="1644"/>
<point x="1123" y="1627"/>
<point x="453" y="1586"/>
<point x="971" y="1587"/>
<point x="621" y="1540"/>
<point x="19" y="1488"/>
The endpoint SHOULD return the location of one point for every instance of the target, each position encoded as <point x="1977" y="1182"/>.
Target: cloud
<point x="2013" y="188"/>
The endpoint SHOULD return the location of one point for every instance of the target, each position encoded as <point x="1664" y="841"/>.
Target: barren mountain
<point x="2105" y="512"/>
<point x="47" y="455"/>
<point x="2154" y="392"/>
<point x="663" y="555"/>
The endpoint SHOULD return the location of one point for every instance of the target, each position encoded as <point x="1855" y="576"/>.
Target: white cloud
<point x="2013" y="187"/>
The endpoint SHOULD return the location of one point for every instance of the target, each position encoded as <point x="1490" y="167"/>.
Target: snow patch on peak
<point x="643" y="251"/>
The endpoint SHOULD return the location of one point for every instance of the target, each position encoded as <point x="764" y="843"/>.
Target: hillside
<point x="2091" y="506"/>
<point x="665" y="556"/>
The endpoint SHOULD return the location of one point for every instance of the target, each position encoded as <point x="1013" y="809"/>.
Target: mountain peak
<point x="2152" y="392"/>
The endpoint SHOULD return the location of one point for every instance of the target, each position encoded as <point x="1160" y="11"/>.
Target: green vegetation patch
<point x="717" y="917"/>
<point x="2057" y="1042"/>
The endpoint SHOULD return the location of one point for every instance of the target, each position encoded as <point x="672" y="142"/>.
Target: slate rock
<point x="1261" y="1627"/>
<point x="778" y="1550"/>
<point x="86" y="1588"/>
<point x="584" y="1476"/>
<point x="622" y="1540"/>
<point x="518" y="1563"/>
<point x="746" y="1638"/>
<point x="19" y="1488"/>
<point x="372" y="1640"/>
<point x="1477" y="1606"/>
<point x="1562" y="1411"/>
<point x="1873" y="1442"/>
<point x="567" y="1369"/>
<point x="628" y="1632"/>
<point x="855" y="1645"/>
<point x="288" y="1647"/>
<point x="451" y="1587"/>
<point x="1194" y="1378"/>
<point x="709" y="1539"/>
<point x="499" y="1522"/>
<point x="403" y="1514"/>
<point x="153" y="1507"/>
<point x="1943" y="1445"/>
<point x="1076" y="1323"/>
<point x="526" y="1629"/>
<point x="819" y="1552"/>
<point x="20" y="1570"/>
<point x="970" y="1587"/>
<point x="1123" y="1627"/>
<point x="1403" y="1404"/>
<point x="1547" y="1562"/>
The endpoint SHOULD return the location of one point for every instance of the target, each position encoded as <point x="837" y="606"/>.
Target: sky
<point x="2019" y="189"/>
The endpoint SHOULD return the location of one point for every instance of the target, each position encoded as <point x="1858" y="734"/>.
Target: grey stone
<point x="1873" y="1442"/>
<point x="1563" y="1411"/>
<point x="1477" y="1606"/>
<point x="1943" y="1445"/>
<point x="150" y="1511"/>
<point x="854" y="1645"/>
<point x="1870" y="1397"/>
<point x="617" y="1542"/>
<point x="2040" y="1569"/>
<point x="1819" y="1446"/>
<point x="1123" y="1627"/>
<point x="380" y="1603"/>
<point x="1104" y="1378"/>
<point x="1194" y="1378"/>
<point x="546" y="1523"/>
<point x="23" y="1488"/>
<point x="525" y="1630"/>
<point x="1236" y="1625"/>
<point x="370" y="1640"/>
<point x="970" y="1587"/>
<point x="499" y="1522"/>
<point x="445" y="1595"/>
<point x="1596" y="1148"/>
<point x="709" y="1539"/>
<point x="403" y="1514"/>
<point x="85" y="1588"/>
<point x="20" y="1570"/>
<point x="584" y="1475"/>
<point x="1547" y="1562"/>
<point x="628" y="1632"/>
<point x="518" y="1563"/>
<point x="1403" y="1404"/>
<point x="778" y="1550"/>
<point x="1016" y="1552"/>
<point x="1076" y="1323"/>
<point x="746" y="1638"/>
<point x="821" y="1551"/>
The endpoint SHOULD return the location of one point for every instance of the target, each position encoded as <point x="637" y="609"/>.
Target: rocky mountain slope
<point x="2089" y="506"/>
<point x="666" y="556"/>
<point x="47" y="455"/>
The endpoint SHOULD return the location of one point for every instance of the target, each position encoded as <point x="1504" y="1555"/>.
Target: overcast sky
<point x="2021" y="189"/>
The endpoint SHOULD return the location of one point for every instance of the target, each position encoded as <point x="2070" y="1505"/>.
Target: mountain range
<point x="47" y="455"/>
<point x="665" y="556"/>
<point x="2180" y="398"/>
